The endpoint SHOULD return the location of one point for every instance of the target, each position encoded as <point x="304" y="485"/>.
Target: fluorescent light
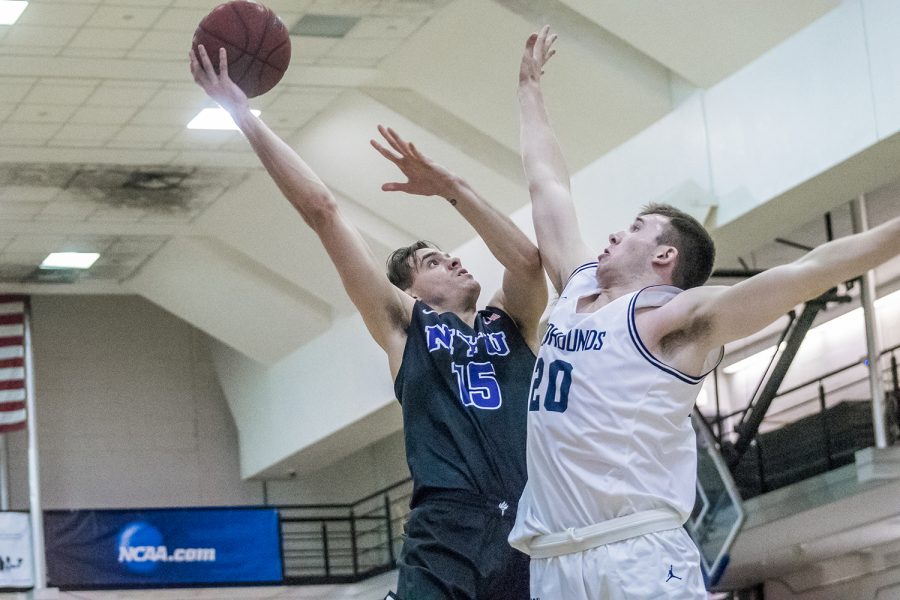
<point x="10" y="10"/>
<point x="215" y="118"/>
<point x="69" y="260"/>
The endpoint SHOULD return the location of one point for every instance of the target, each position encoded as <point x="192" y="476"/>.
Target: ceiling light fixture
<point x="215" y="118"/>
<point x="70" y="260"/>
<point x="11" y="10"/>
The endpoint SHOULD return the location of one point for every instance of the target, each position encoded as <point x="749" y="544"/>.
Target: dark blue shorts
<point x="456" y="549"/>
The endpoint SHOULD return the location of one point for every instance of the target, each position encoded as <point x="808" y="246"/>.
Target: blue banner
<point x="162" y="547"/>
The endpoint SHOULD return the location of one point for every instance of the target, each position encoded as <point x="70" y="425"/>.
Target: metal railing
<point x="344" y="543"/>
<point x="817" y="411"/>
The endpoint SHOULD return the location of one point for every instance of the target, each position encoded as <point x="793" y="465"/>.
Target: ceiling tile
<point x="30" y="50"/>
<point x="386" y="27"/>
<point x="66" y="210"/>
<point x="308" y="48"/>
<point x="88" y="243"/>
<point x="141" y="136"/>
<point x="41" y="113"/>
<point x="282" y="121"/>
<point x="128" y="17"/>
<point x="119" y="215"/>
<point x="177" y="116"/>
<point x="108" y="115"/>
<point x="203" y="139"/>
<point x="121" y="94"/>
<point x="87" y="52"/>
<point x="27" y="133"/>
<point x="47" y="13"/>
<point x="157" y="43"/>
<point x="204" y="4"/>
<point x="89" y="37"/>
<point x="141" y="245"/>
<point x="364" y="48"/>
<point x="92" y="135"/>
<point x="33" y="259"/>
<point x="51" y="92"/>
<point x="38" y="36"/>
<point x="182" y="19"/>
<point x="302" y="101"/>
<point x="35" y="244"/>
<point x="187" y="95"/>
<point x="347" y="61"/>
<point x="343" y="7"/>
<point x="13" y="89"/>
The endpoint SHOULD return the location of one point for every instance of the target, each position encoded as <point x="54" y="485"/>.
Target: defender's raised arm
<point x="752" y="304"/>
<point x="556" y="225"/>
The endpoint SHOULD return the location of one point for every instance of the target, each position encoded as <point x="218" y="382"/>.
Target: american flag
<point x="12" y="363"/>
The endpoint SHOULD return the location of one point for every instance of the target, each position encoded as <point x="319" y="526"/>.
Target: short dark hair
<point x="696" y="249"/>
<point x="401" y="264"/>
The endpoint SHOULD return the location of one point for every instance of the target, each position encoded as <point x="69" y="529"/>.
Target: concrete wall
<point x="131" y="414"/>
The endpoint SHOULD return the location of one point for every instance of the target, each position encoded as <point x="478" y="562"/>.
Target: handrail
<point x="886" y="351"/>
<point x="836" y="371"/>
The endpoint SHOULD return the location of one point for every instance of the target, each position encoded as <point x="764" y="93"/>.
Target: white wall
<point x="130" y="413"/>
<point x="366" y="471"/>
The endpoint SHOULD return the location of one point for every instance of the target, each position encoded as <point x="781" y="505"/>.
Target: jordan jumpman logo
<point x="672" y="575"/>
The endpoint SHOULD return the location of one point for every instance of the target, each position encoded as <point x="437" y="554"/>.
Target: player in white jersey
<point x="611" y="452"/>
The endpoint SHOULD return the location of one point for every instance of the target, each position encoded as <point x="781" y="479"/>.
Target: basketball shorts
<point x="665" y="564"/>
<point x="456" y="549"/>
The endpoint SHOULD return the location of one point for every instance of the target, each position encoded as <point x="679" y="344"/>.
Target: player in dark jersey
<point x="461" y="374"/>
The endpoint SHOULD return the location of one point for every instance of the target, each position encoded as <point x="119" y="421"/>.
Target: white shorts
<point x="665" y="564"/>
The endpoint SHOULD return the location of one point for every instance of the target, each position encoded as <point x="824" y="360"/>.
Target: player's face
<point x="631" y="251"/>
<point x="439" y="276"/>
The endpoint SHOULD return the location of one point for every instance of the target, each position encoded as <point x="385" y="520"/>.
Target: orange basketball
<point x="256" y="40"/>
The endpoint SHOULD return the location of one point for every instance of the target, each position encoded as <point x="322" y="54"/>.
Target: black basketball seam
<point x="222" y="41"/>
<point x="239" y="79"/>
<point x="272" y="51"/>
<point x="265" y="32"/>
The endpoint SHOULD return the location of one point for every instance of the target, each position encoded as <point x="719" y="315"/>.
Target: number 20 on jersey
<point x="555" y="393"/>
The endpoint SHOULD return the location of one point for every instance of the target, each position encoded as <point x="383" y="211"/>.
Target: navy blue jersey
<point x="464" y="393"/>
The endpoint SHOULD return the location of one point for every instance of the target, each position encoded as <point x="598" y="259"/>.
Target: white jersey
<point x="609" y="424"/>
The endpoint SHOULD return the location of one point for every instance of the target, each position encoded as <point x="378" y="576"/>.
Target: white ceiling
<point x="94" y="91"/>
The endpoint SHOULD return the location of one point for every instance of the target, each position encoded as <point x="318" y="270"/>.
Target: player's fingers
<point x="389" y="137"/>
<point x="204" y="60"/>
<point x="394" y="186"/>
<point x="385" y="152"/>
<point x="550" y="54"/>
<point x="223" y="63"/>
<point x="403" y="144"/>
<point x="529" y="43"/>
<point x="542" y="36"/>
<point x="552" y="40"/>
<point x="415" y="152"/>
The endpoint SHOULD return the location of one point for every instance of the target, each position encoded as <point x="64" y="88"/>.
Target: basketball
<point x="256" y="40"/>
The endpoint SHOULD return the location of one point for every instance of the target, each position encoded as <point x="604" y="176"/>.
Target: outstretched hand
<point x="425" y="177"/>
<point x="218" y="86"/>
<point x="538" y="50"/>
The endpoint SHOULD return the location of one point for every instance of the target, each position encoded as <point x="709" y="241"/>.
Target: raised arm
<point x="555" y="223"/>
<point x="385" y="309"/>
<point x="725" y="314"/>
<point x="523" y="294"/>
